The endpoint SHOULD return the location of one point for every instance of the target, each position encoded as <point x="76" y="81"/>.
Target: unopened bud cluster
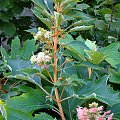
<point x="93" y="113"/>
<point x="41" y="58"/>
<point x="42" y="35"/>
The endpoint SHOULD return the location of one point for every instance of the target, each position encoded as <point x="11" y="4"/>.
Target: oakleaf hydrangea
<point x="93" y="113"/>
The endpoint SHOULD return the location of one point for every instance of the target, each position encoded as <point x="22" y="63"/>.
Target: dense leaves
<point x="88" y="59"/>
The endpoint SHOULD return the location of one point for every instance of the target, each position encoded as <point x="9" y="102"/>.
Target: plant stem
<point x="58" y="100"/>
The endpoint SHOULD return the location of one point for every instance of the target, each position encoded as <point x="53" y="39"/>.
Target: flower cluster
<point x="93" y="113"/>
<point x="42" y="35"/>
<point x="41" y="58"/>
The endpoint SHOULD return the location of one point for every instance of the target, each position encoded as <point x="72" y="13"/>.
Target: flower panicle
<point x="93" y="113"/>
<point x="42" y="35"/>
<point x="41" y="58"/>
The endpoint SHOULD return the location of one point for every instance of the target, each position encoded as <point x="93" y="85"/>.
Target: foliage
<point x="15" y="17"/>
<point x="83" y="63"/>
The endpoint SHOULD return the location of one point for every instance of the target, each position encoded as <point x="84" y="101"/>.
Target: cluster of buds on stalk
<point x="42" y="35"/>
<point x="93" y="113"/>
<point x="41" y="58"/>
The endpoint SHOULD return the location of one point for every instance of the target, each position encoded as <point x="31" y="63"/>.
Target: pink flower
<point x="110" y="117"/>
<point x="82" y="113"/>
<point x="105" y="113"/>
<point x="100" y="118"/>
<point x="93" y="110"/>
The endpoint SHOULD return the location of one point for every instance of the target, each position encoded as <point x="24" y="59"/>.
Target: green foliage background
<point x="26" y="101"/>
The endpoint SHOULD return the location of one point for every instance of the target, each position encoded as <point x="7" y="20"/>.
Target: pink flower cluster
<point x="93" y="113"/>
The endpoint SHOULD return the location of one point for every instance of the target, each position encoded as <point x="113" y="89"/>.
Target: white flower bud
<point x="33" y="59"/>
<point x="47" y="34"/>
<point x="40" y="58"/>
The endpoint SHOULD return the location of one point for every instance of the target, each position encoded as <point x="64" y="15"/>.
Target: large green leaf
<point x="112" y="53"/>
<point x="25" y="52"/>
<point x="71" y="103"/>
<point x="20" y="54"/>
<point x="76" y="47"/>
<point x="101" y="90"/>
<point x="17" y="115"/>
<point x="116" y="110"/>
<point x="16" y="65"/>
<point x="28" y="102"/>
<point x="20" y="60"/>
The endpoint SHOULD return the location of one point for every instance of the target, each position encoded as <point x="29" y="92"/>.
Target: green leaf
<point x="91" y="45"/>
<point x="105" y="11"/>
<point x="95" y="56"/>
<point x="83" y="6"/>
<point x="112" y="53"/>
<point x="116" y="110"/>
<point x="101" y="90"/>
<point x="59" y="1"/>
<point x="70" y="104"/>
<point x="83" y="22"/>
<point x="114" y="26"/>
<point x="40" y="3"/>
<point x="33" y="31"/>
<point x="17" y="65"/>
<point x="80" y="28"/>
<point x="59" y="18"/>
<point x="76" y="47"/>
<point x="58" y="84"/>
<point x="117" y="10"/>
<point x="74" y="78"/>
<point x="66" y="40"/>
<point x="4" y="53"/>
<point x="17" y="115"/>
<point x="9" y="29"/>
<point x="100" y="25"/>
<point x="49" y="5"/>
<point x="46" y="21"/>
<point x="43" y="12"/>
<point x="4" y="3"/>
<point x="68" y="2"/>
<point x="77" y="50"/>
<point x="28" y="49"/>
<point x="43" y="116"/>
<point x="115" y="76"/>
<point x="28" y="102"/>
<point x="1" y="117"/>
<point x="5" y="17"/>
<point x="15" y="48"/>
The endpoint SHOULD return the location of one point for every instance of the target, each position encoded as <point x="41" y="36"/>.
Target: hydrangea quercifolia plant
<point x="66" y="72"/>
